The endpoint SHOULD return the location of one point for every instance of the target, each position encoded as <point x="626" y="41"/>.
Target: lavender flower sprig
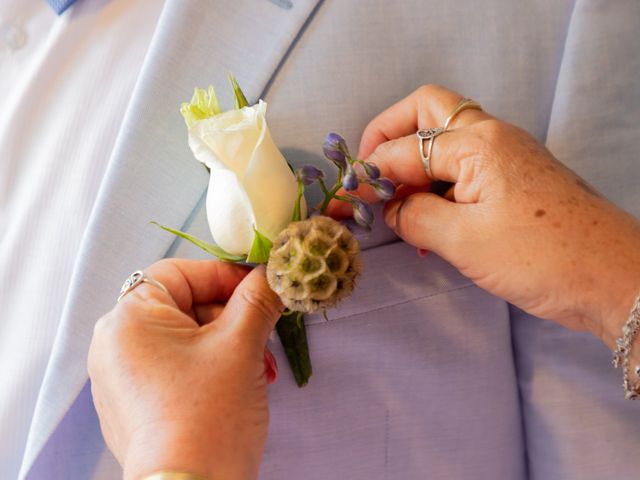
<point x="351" y="174"/>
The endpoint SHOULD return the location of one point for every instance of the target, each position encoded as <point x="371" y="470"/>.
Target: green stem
<point x="293" y="335"/>
<point x="343" y="199"/>
<point x="323" y="187"/>
<point x="297" y="209"/>
<point x="329" y="194"/>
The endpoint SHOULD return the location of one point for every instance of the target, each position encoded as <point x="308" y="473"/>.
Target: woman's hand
<point x="516" y="221"/>
<point x="180" y="381"/>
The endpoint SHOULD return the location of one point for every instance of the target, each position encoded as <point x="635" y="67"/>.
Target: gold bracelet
<point x="165" y="475"/>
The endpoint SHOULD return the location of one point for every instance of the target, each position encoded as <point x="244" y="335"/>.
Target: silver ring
<point x="428" y="134"/>
<point x="135" y="279"/>
<point x="431" y="133"/>
<point x="464" y="104"/>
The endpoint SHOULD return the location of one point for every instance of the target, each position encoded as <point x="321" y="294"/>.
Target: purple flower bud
<point x="371" y="169"/>
<point x="362" y="213"/>
<point x="350" y="180"/>
<point x="385" y="189"/>
<point x="309" y="174"/>
<point x="335" y="149"/>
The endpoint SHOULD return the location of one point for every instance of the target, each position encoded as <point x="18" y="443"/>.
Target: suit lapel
<point x="151" y="174"/>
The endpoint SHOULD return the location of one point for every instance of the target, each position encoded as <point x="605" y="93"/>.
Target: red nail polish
<point x="422" y="252"/>
<point x="270" y="367"/>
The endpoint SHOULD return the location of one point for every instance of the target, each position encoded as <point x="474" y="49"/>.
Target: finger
<point x="450" y="194"/>
<point x="427" y="107"/>
<point x="253" y="309"/>
<point x="400" y="161"/>
<point x="340" y="210"/>
<point x="207" y="313"/>
<point x="192" y="282"/>
<point x="429" y="222"/>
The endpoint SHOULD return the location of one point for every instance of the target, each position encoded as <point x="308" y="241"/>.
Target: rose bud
<point x="251" y="188"/>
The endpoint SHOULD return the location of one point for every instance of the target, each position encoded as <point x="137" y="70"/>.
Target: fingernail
<point x="422" y="252"/>
<point x="391" y="212"/>
<point x="270" y="366"/>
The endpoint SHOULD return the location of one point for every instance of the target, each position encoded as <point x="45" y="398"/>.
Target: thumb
<point x="253" y="309"/>
<point x="428" y="221"/>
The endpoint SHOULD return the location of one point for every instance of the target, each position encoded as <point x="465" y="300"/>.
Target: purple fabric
<point x="417" y="339"/>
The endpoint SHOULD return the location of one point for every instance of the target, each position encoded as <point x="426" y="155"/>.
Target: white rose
<point x="251" y="185"/>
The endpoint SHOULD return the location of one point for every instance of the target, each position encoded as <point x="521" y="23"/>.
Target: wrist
<point x="191" y="450"/>
<point x="161" y="451"/>
<point x="171" y="475"/>
<point x="617" y="312"/>
<point x="619" y="287"/>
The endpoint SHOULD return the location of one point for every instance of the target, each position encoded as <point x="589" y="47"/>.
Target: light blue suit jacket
<point x="420" y="374"/>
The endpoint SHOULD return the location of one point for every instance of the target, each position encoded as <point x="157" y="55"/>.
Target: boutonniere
<point x="257" y="212"/>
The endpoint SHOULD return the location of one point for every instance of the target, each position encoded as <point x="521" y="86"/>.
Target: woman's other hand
<point x="180" y="381"/>
<point x="515" y="220"/>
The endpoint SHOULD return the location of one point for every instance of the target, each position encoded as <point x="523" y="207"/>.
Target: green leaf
<point x="241" y="100"/>
<point x="260" y="248"/>
<point x="204" y="104"/>
<point x="214" y="250"/>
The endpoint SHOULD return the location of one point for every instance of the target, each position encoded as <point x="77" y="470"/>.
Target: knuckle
<point x="101" y="334"/>
<point x="107" y="326"/>
<point x="101" y="326"/>
<point x="474" y="165"/>
<point x="122" y="320"/>
<point x="95" y="360"/>
<point x="501" y="151"/>
<point x="260" y="301"/>
<point x="493" y="131"/>
<point x="163" y="264"/>
<point x="428" y="89"/>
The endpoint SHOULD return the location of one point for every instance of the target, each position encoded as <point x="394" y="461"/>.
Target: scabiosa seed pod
<point x="314" y="264"/>
<point x="385" y="189"/>
<point x="309" y="174"/>
<point x="335" y="149"/>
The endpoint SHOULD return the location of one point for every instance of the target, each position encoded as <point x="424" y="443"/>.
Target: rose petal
<point x="229" y="213"/>
<point x="271" y="186"/>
